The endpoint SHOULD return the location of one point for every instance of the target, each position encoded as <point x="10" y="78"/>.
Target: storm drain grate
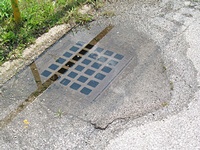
<point x="85" y="72"/>
<point x="87" y="68"/>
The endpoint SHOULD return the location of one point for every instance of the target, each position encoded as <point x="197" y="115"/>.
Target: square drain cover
<point x="87" y="71"/>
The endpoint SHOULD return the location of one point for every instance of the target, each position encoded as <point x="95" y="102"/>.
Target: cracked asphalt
<point x="153" y="103"/>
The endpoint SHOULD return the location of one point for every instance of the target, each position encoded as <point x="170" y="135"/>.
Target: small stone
<point x="7" y="65"/>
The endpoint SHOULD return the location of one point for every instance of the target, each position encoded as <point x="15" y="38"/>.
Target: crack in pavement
<point x="95" y="124"/>
<point x="108" y="124"/>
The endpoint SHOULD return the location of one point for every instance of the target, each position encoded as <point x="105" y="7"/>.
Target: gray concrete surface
<point x="152" y="104"/>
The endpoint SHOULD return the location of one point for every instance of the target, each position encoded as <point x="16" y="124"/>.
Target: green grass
<point x="38" y="16"/>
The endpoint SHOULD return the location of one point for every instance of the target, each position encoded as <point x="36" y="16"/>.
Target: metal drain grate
<point x="87" y="68"/>
<point x="84" y="73"/>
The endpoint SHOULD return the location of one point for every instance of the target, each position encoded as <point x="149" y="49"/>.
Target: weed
<point x="59" y="113"/>
<point x="5" y="9"/>
<point x="164" y="68"/>
<point x="164" y="104"/>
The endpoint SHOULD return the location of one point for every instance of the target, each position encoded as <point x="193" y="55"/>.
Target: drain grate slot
<point x="62" y="70"/>
<point x="101" y="35"/>
<point x="83" y="52"/>
<point x="89" y="46"/>
<point x="76" y="58"/>
<point x="54" y="77"/>
<point x="69" y="64"/>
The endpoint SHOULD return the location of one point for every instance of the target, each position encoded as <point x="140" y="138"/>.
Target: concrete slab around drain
<point x="137" y="86"/>
<point x="16" y="90"/>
